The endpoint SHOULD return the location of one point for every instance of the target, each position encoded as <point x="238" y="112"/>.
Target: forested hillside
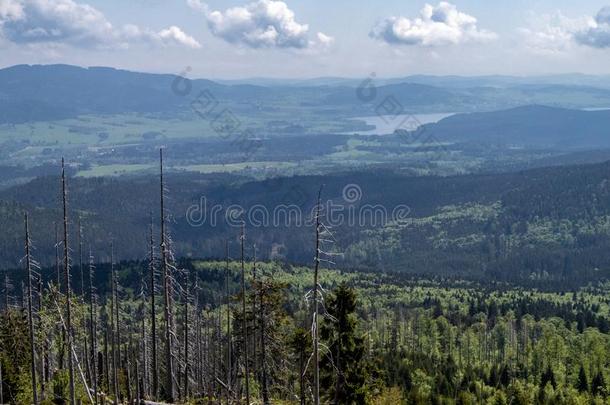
<point x="547" y="224"/>
<point x="533" y="126"/>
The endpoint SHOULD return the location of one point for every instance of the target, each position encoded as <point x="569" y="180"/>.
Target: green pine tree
<point x="598" y="385"/>
<point x="548" y="377"/>
<point x="582" y="385"/>
<point x="344" y="376"/>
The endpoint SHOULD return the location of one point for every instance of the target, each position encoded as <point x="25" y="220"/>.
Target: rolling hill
<point x="537" y="126"/>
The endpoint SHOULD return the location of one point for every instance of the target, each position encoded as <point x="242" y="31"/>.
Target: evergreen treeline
<point x="536" y="227"/>
<point x="382" y="340"/>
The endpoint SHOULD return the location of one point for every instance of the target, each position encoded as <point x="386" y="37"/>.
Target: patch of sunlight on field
<point x="104" y="130"/>
<point x="236" y="167"/>
<point x="114" y="170"/>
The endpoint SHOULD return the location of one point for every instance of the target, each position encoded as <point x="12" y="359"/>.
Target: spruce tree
<point x="598" y="385"/>
<point x="345" y="374"/>
<point x="582" y="385"/>
<point x="548" y="377"/>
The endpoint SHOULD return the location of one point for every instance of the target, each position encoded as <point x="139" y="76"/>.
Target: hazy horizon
<point x="313" y="78"/>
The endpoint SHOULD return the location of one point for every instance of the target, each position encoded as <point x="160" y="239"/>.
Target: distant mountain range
<point x="52" y="92"/>
<point x="38" y="93"/>
<point x="574" y="79"/>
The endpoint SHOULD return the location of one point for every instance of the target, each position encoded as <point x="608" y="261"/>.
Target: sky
<point x="311" y="38"/>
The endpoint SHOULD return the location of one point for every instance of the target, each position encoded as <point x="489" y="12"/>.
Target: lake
<point x="387" y="124"/>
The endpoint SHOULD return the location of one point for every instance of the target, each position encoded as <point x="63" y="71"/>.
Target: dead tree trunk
<point x="255" y="360"/>
<point x="228" y="303"/>
<point x="186" y="337"/>
<point x="127" y="366"/>
<point x="57" y="270"/>
<point x="74" y="356"/>
<point x="61" y="348"/>
<point x="316" y="354"/>
<point x="42" y="351"/>
<point x="263" y="359"/>
<point x="143" y="348"/>
<point x="139" y="385"/>
<point x="86" y="358"/>
<point x="243" y="314"/>
<point x="67" y="283"/>
<point x="167" y="293"/>
<point x="117" y="309"/>
<point x="219" y="356"/>
<point x="28" y="264"/>
<point x="80" y="259"/>
<point x="153" y="315"/>
<point x="302" y="376"/>
<point x="6" y="291"/>
<point x="114" y="321"/>
<point x="106" y="349"/>
<point x="92" y="327"/>
<point x="206" y="351"/>
<point x="198" y="345"/>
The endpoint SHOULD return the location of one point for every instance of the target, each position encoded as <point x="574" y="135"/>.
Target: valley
<point x="457" y="258"/>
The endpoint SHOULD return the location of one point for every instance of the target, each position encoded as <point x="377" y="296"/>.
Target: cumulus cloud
<point x="551" y="33"/>
<point x="71" y="23"/>
<point x="597" y="34"/>
<point x="10" y="9"/>
<point x="174" y="35"/>
<point x="436" y="25"/>
<point x="197" y="5"/>
<point x="325" y="39"/>
<point x="260" y="24"/>
<point x="558" y="33"/>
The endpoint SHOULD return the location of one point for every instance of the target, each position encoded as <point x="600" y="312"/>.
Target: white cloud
<point x="437" y="25"/>
<point x="551" y="33"/>
<point x="260" y="24"/>
<point x="197" y="5"/>
<point x="597" y="34"/>
<point x="325" y="39"/>
<point x="10" y="9"/>
<point x="69" y="23"/>
<point x="174" y="35"/>
<point x="556" y="33"/>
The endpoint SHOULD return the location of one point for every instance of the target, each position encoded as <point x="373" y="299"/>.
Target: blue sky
<point x="311" y="38"/>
